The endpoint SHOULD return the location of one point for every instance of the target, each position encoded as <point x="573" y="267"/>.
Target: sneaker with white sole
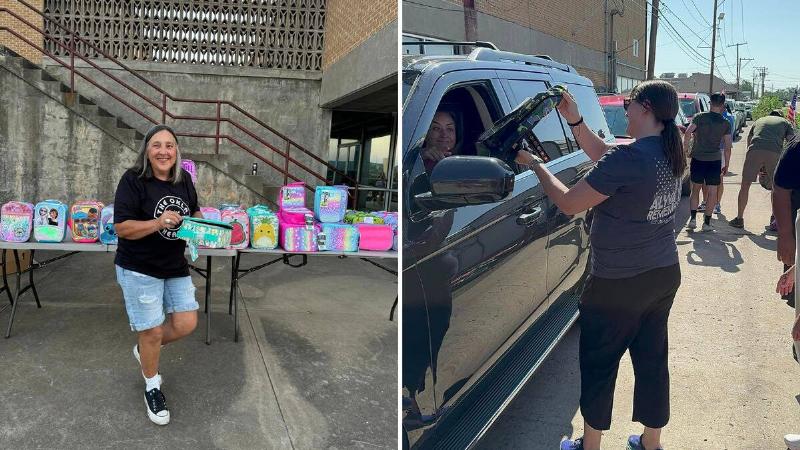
<point x="707" y="227"/>
<point x="635" y="443"/>
<point x="156" y="406"/>
<point x="691" y="225"/>
<point x="568" y="444"/>
<point x="717" y="209"/>
<point x="792" y="441"/>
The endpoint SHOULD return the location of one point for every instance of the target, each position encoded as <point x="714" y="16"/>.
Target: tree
<point x="766" y="105"/>
<point x="747" y="86"/>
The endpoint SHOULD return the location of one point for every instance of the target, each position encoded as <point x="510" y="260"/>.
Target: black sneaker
<point x="156" y="406"/>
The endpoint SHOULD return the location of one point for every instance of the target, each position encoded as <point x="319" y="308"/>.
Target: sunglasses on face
<point x="626" y="103"/>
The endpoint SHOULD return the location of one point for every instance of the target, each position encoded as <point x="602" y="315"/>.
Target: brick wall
<point x="348" y="23"/>
<point x="578" y="21"/>
<point x="629" y="27"/>
<point x="10" y="41"/>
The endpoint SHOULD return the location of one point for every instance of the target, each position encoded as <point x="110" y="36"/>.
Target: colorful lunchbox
<point x="50" y="221"/>
<point x="338" y="237"/>
<point x="293" y="195"/>
<point x="108" y="234"/>
<point x="240" y="226"/>
<point x="375" y="237"/>
<point x="84" y="221"/>
<point x="204" y="232"/>
<point x="264" y="228"/>
<point x="299" y="238"/>
<point x="189" y="166"/>
<point x="210" y="213"/>
<point x="330" y="203"/>
<point x="356" y="217"/>
<point x="16" y="221"/>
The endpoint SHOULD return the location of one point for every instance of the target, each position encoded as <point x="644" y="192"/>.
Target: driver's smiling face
<point x="442" y="133"/>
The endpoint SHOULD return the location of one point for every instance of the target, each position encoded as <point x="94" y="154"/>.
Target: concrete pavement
<point x="734" y="383"/>
<point x="315" y="367"/>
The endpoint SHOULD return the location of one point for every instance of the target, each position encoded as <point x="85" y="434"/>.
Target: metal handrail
<point x="165" y="112"/>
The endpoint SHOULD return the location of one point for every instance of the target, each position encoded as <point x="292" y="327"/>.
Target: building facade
<point x="575" y="32"/>
<point x="697" y="82"/>
<point x="313" y="71"/>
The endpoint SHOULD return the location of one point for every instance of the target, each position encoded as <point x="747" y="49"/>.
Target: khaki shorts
<point x="754" y="161"/>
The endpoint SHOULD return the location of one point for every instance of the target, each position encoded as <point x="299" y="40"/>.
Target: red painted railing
<point x="162" y="105"/>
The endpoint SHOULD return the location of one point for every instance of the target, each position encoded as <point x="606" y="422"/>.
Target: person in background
<point x="709" y="129"/>
<point x="786" y="202"/>
<point x="785" y="287"/>
<point x="721" y="189"/>
<point x="764" y="145"/>
<point x="634" y="275"/>
<point x="151" y="200"/>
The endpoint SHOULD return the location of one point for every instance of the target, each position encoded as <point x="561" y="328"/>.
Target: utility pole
<point x="713" y="45"/>
<point x="738" y="65"/>
<point x="615" y="10"/>
<point x="762" y="72"/>
<point x="470" y="21"/>
<point x="651" y="60"/>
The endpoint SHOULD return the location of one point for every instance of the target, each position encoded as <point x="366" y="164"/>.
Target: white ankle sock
<point x="153" y="383"/>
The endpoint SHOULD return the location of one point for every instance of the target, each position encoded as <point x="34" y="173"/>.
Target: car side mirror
<point x="467" y="180"/>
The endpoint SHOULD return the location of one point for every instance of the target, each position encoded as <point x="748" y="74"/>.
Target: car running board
<point x="475" y="413"/>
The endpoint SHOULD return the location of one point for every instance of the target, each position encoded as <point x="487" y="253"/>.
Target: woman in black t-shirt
<point x="151" y="200"/>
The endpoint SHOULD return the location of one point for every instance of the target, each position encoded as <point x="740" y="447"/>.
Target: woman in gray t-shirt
<point x="634" y="190"/>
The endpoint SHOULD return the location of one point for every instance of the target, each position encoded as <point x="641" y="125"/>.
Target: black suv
<point x="492" y="270"/>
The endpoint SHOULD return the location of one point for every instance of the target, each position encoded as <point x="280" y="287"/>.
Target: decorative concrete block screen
<point x="274" y="34"/>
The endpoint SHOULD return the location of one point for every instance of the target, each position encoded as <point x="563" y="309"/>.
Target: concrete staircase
<point x="210" y="166"/>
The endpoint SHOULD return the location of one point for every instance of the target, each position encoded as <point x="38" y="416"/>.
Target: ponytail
<point x="662" y="99"/>
<point x="673" y="147"/>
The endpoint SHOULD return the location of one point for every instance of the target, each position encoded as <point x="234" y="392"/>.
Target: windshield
<point x="409" y="78"/>
<point x="688" y="107"/>
<point x="617" y="122"/>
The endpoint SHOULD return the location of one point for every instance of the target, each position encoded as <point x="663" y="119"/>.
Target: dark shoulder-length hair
<point x="142" y="167"/>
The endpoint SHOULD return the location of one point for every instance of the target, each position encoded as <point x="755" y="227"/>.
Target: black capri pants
<point x="626" y="314"/>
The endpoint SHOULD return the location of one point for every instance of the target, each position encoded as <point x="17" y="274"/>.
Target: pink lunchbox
<point x="16" y="221"/>
<point x="295" y="216"/>
<point x="299" y="238"/>
<point x="375" y="237"/>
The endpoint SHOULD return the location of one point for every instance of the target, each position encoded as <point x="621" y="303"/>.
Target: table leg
<point x="235" y="296"/>
<point x="234" y="278"/>
<point x="5" y="279"/>
<point x="208" y="302"/>
<point x="16" y="296"/>
<point x="31" y="283"/>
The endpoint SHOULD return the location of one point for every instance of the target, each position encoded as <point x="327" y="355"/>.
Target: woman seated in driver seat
<point x="442" y="139"/>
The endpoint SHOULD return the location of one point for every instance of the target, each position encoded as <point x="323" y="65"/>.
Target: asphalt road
<point x="734" y="384"/>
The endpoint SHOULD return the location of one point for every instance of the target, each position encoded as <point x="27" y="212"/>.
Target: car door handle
<point x="531" y="217"/>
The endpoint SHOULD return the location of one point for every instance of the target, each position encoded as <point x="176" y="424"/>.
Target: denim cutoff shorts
<point x="148" y="300"/>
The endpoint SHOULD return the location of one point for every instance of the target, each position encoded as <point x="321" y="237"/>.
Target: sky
<point x="771" y="29"/>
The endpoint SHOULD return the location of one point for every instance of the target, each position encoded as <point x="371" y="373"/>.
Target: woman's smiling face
<point x="162" y="152"/>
